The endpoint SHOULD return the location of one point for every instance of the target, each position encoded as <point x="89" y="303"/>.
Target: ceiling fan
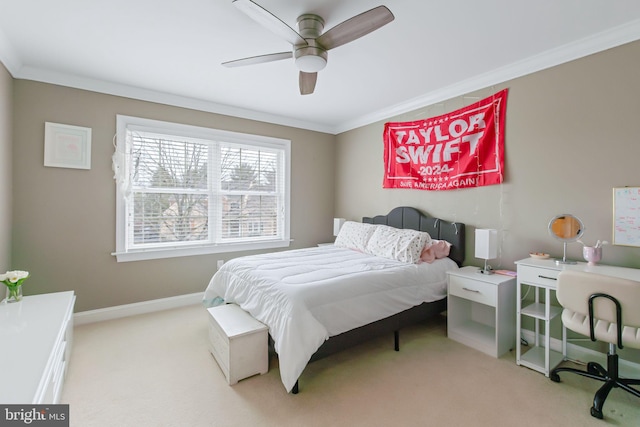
<point x="310" y="44"/>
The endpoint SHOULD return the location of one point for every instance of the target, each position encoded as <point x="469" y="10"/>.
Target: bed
<point x="317" y="301"/>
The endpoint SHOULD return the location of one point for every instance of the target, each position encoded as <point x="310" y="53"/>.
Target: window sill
<point x="148" y="254"/>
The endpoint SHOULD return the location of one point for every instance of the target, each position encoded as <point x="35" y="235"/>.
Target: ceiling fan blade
<point x="307" y="82"/>
<point x="269" y="21"/>
<point x="356" y="27"/>
<point x="260" y="59"/>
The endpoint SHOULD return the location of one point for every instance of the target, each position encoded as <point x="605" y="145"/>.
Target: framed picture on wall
<point x="67" y="146"/>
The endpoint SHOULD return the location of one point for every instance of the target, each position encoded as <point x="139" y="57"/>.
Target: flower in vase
<point x="13" y="280"/>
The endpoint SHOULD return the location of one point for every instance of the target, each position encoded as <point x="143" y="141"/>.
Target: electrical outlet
<point x="220" y="263"/>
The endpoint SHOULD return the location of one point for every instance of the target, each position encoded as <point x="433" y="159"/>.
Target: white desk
<point x="541" y="275"/>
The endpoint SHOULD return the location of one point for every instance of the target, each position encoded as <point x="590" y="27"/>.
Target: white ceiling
<point x="171" y="51"/>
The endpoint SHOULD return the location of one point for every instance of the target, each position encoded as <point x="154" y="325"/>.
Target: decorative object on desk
<point x="337" y="225"/>
<point x="539" y="255"/>
<point x="568" y="229"/>
<point x="593" y="254"/>
<point x="13" y="281"/>
<point x="486" y="247"/>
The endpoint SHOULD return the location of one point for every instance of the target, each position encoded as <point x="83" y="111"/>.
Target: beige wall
<point x="571" y="136"/>
<point x="64" y="219"/>
<point x="6" y="126"/>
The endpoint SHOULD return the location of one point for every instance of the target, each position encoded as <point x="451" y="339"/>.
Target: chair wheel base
<point x="595" y="413"/>
<point x="554" y="377"/>
<point x="595" y="369"/>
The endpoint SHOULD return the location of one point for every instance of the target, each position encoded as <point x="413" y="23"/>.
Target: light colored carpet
<point x="155" y="370"/>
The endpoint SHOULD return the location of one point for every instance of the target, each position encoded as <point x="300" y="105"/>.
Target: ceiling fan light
<point x="310" y="63"/>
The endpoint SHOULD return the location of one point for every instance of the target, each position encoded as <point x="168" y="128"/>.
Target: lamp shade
<point x="337" y="225"/>
<point x="486" y="243"/>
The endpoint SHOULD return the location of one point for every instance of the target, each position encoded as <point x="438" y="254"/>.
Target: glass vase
<point x="14" y="294"/>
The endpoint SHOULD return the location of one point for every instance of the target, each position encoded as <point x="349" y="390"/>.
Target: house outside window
<point x="186" y="190"/>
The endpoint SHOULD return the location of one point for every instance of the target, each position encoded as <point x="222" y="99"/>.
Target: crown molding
<point x="568" y="52"/>
<point x="110" y="88"/>
<point x="8" y="55"/>
<point x="593" y="44"/>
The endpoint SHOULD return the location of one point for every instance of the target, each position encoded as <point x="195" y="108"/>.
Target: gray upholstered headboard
<point x="406" y="217"/>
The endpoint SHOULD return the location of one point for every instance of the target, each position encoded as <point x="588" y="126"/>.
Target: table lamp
<point x="486" y="247"/>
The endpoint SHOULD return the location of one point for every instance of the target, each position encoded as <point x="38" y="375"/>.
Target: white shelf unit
<point x="537" y="310"/>
<point x="481" y="310"/>
<point x="539" y="356"/>
<point x="36" y="335"/>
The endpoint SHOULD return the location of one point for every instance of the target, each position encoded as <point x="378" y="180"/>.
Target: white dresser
<point x="238" y="342"/>
<point x="541" y="276"/>
<point x="36" y="336"/>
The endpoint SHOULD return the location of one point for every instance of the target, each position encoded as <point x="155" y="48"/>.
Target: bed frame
<point x="401" y="217"/>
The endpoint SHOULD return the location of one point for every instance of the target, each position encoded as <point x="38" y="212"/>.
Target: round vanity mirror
<point x="567" y="228"/>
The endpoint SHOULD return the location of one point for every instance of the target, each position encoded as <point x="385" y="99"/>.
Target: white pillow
<point x="355" y="235"/>
<point x="402" y="245"/>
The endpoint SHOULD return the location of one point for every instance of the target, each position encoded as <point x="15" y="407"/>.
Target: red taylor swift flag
<point x="461" y="149"/>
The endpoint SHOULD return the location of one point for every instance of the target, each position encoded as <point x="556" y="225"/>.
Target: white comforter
<point x="306" y="296"/>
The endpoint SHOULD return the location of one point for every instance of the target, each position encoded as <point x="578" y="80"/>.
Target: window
<point x="185" y="190"/>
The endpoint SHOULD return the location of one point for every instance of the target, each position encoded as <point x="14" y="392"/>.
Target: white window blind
<point x="189" y="190"/>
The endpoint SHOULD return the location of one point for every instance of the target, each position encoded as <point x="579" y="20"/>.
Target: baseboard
<point x="126" y="310"/>
<point x="582" y="354"/>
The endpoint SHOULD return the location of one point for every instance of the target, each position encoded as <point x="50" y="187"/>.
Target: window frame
<point x="180" y="249"/>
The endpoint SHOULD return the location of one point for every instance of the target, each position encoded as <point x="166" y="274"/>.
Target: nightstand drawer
<point x="538" y="276"/>
<point x="473" y="290"/>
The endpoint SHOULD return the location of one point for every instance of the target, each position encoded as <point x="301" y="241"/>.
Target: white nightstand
<point x="481" y="310"/>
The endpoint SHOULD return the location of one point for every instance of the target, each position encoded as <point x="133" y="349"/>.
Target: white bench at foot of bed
<point x="238" y="342"/>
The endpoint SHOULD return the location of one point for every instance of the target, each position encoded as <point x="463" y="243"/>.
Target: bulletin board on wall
<point x="626" y="216"/>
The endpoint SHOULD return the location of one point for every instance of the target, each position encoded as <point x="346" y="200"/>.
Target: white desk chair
<point x="605" y="309"/>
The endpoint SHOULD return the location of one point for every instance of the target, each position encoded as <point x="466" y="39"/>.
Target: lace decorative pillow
<point x="355" y="235"/>
<point x="401" y="245"/>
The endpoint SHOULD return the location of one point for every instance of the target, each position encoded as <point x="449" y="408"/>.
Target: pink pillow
<point x="436" y="250"/>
